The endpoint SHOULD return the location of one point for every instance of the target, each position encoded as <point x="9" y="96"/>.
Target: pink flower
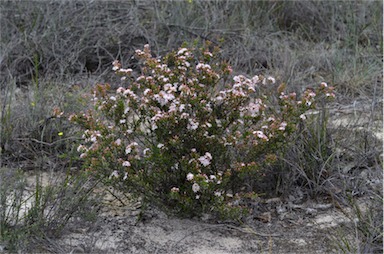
<point x="126" y="164"/>
<point x="120" y="90"/>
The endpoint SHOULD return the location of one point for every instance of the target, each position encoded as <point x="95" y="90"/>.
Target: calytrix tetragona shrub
<point x="185" y="133"/>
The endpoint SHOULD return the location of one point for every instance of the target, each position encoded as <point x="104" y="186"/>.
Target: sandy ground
<point x="282" y="227"/>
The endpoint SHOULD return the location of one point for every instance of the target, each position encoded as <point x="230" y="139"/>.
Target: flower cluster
<point x="179" y="130"/>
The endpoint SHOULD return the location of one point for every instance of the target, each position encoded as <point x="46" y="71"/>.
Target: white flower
<point x="128" y="71"/>
<point x="254" y="109"/>
<point x="128" y="150"/>
<point x="175" y="189"/>
<point x="125" y="176"/>
<point x="114" y="174"/>
<point x="282" y="126"/>
<point x="146" y="91"/>
<point x="160" y="145"/>
<point x="212" y="177"/>
<point x="219" y="98"/>
<point x="261" y="135"/>
<point x="126" y="164"/>
<point x="189" y="177"/>
<point x="236" y="79"/>
<point x="303" y="117"/>
<point x="112" y="98"/>
<point x="163" y="98"/>
<point x="81" y="148"/>
<point x="122" y="121"/>
<point x="129" y="147"/>
<point x="192" y="125"/>
<point x="255" y="80"/>
<point x="269" y="80"/>
<point x="206" y="159"/>
<point x="182" y="51"/>
<point x="217" y="193"/>
<point x="145" y="151"/>
<point x="195" y="187"/>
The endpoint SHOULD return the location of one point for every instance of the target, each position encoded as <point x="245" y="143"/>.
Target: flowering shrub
<point x="187" y="135"/>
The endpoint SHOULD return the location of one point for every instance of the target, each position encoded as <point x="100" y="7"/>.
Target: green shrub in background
<point x="188" y="135"/>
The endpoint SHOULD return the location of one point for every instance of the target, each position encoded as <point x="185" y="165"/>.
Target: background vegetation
<point x="52" y="52"/>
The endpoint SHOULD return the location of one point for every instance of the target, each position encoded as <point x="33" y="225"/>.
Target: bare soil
<point x="276" y="227"/>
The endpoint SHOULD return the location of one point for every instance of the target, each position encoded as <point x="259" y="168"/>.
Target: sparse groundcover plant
<point x="29" y="217"/>
<point x="187" y="134"/>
